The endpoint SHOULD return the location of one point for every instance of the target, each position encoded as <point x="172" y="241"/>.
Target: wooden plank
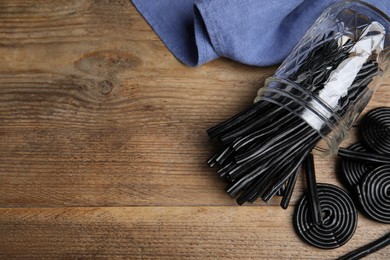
<point x="94" y="111"/>
<point x="165" y="233"/>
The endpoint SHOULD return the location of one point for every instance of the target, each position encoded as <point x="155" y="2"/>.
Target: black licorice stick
<point x="352" y="170"/>
<point x="368" y="249"/>
<point x="314" y="203"/>
<point x="289" y="190"/>
<point x="365" y="156"/>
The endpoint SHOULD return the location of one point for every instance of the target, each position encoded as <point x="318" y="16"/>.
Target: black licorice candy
<point x="365" y="156"/>
<point x="353" y="170"/>
<point x="366" y="166"/>
<point x="312" y="192"/>
<point x="339" y="218"/>
<point x="368" y="249"/>
<point x="374" y="194"/>
<point x="263" y="146"/>
<point x="325" y="216"/>
<point x="375" y="130"/>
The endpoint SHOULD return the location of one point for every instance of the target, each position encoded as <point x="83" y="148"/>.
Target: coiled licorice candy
<point x="325" y="216"/>
<point x="374" y="193"/>
<point x="375" y="130"/>
<point x="339" y="218"/>
<point x="366" y="166"/>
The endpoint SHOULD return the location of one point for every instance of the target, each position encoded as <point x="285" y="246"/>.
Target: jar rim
<point x="374" y="8"/>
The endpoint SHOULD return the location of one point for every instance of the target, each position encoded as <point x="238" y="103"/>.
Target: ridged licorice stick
<point x="263" y="147"/>
<point x="314" y="202"/>
<point x="364" y="156"/>
<point x="353" y="170"/>
<point x="368" y="249"/>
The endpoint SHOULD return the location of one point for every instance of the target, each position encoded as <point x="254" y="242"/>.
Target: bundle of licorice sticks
<point x="263" y="146"/>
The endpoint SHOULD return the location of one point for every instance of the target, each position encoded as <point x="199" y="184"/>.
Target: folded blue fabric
<point x="254" y="32"/>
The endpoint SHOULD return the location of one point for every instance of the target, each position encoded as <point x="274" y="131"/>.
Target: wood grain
<point x="95" y="111"/>
<point x="103" y="143"/>
<point x="165" y="233"/>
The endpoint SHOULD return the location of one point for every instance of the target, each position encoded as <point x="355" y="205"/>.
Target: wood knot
<point x="105" y="87"/>
<point x="108" y="64"/>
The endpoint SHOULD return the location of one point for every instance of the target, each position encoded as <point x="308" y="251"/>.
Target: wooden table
<point x="103" y="144"/>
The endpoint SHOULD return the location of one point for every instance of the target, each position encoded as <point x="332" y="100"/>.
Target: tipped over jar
<point x="330" y="76"/>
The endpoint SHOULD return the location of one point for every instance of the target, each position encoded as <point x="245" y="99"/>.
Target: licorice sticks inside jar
<point x="315" y="95"/>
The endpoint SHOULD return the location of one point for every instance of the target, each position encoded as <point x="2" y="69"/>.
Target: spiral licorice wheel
<point x="339" y="218"/>
<point x="374" y="194"/>
<point x="353" y="170"/>
<point x="375" y="130"/>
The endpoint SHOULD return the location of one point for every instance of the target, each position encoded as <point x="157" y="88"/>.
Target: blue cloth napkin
<point x="254" y="32"/>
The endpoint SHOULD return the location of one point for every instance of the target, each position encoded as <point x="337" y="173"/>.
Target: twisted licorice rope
<point x="367" y="171"/>
<point x="264" y="145"/>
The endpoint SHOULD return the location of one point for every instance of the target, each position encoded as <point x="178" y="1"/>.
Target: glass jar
<point x="328" y="79"/>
